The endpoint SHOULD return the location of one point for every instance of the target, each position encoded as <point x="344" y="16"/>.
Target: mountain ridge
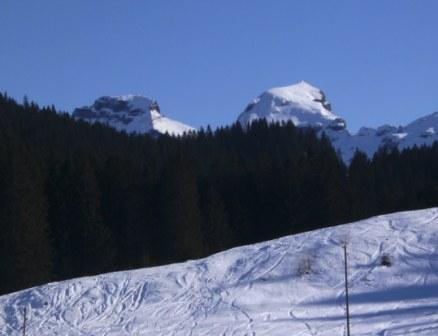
<point x="305" y="105"/>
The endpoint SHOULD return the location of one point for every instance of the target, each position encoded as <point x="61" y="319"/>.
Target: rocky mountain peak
<point x="301" y="103"/>
<point x="130" y="113"/>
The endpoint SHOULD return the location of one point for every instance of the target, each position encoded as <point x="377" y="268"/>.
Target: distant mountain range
<point x="302" y="104"/>
<point x="306" y="105"/>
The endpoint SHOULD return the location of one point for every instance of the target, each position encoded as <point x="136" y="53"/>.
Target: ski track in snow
<point x="257" y="290"/>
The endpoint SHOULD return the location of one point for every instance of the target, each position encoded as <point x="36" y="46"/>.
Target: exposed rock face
<point x="338" y="124"/>
<point x="133" y="114"/>
<point x="306" y="106"/>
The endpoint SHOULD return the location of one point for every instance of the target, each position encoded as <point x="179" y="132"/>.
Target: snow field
<point x="290" y="286"/>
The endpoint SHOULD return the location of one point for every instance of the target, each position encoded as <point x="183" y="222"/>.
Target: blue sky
<point x="204" y="60"/>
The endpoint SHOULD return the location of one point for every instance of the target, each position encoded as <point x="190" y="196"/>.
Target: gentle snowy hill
<point x="305" y="105"/>
<point x="133" y="114"/>
<point x="289" y="286"/>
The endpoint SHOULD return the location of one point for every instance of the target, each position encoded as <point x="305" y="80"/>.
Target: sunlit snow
<point x="132" y="114"/>
<point x="306" y="106"/>
<point x="289" y="286"/>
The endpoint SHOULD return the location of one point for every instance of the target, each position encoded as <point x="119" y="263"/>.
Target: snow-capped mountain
<point x="131" y="113"/>
<point x="306" y="105"/>
<point x="302" y="104"/>
<point x="289" y="286"/>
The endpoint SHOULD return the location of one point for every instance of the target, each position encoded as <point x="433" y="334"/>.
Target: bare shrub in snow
<point x="386" y="261"/>
<point x="306" y="265"/>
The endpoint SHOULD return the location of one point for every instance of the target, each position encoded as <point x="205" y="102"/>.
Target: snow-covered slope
<point x="423" y="131"/>
<point x="133" y="114"/>
<point x="289" y="286"/>
<point x="305" y="105"/>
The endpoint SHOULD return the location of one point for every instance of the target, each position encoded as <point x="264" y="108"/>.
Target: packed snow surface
<point x="306" y="106"/>
<point x="289" y="286"/>
<point x="131" y="113"/>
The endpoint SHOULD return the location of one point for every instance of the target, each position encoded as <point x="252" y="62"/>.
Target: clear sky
<point x="204" y="60"/>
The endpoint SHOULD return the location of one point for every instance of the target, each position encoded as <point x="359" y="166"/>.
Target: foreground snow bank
<point x="289" y="286"/>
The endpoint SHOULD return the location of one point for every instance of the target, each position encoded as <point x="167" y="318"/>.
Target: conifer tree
<point x="25" y="248"/>
<point x="362" y="186"/>
<point x="84" y="242"/>
<point x="217" y="230"/>
<point x="180" y="215"/>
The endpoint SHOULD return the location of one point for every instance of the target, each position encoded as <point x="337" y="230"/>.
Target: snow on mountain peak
<point x="130" y="113"/>
<point x="301" y="103"/>
<point x="306" y="106"/>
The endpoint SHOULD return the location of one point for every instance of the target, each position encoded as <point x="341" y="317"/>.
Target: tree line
<point x="79" y="199"/>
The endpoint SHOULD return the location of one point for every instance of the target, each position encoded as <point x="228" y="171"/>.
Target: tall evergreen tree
<point x="218" y="233"/>
<point x="362" y="186"/>
<point x="84" y="242"/>
<point x="180" y="216"/>
<point x="25" y="247"/>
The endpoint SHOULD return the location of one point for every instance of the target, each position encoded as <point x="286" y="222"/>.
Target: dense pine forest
<point x="79" y="199"/>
